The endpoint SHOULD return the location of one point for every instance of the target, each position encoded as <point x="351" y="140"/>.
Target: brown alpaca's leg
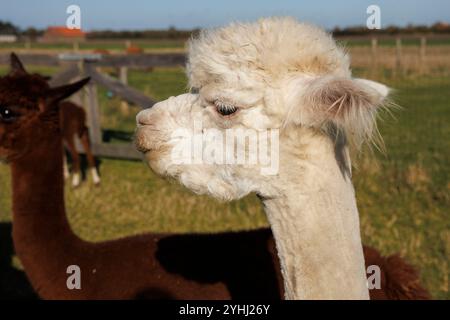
<point x="90" y="157"/>
<point x="76" y="178"/>
<point x="65" y="167"/>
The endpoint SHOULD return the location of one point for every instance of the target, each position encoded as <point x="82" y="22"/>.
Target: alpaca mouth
<point x="141" y="147"/>
<point x="140" y="141"/>
<point x="143" y="150"/>
<point x="145" y="141"/>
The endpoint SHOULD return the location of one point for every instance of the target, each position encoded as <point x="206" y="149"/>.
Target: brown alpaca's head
<point x="28" y="109"/>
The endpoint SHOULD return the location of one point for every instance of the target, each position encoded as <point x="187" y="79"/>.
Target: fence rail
<point x="76" y="67"/>
<point x="132" y="61"/>
<point x="400" y="59"/>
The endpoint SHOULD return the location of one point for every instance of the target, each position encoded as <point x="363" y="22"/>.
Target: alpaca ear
<point x="382" y="90"/>
<point x="53" y="95"/>
<point x="350" y="104"/>
<point x="16" y="65"/>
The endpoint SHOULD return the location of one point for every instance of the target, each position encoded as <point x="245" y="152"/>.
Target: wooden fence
<point x="400" y="60"/>
<point x="77" y="66"/>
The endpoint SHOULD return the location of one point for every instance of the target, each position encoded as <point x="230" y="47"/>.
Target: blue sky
<point x="141" y="14"/>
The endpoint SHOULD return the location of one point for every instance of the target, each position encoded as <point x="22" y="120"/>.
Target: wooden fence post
<point x="78" y="97"/>
<point x="123" y="76"/>
<point x="95" y="131"/>
<point x="374" y="43"/>
<point x="398" y="57"/>
<point x="28" y="44"/>
<point x="422" y="53"/>
<point x="76" y="66"/>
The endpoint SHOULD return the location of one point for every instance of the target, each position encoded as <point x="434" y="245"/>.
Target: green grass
<point x="105" y="44"/>
<point x="403" y="196"/>
<point x="120" y="45"/>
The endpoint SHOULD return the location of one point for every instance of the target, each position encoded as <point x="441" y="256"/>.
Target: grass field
<point x="102" y="44"/>
<point x="177" y="45"/>
<point x="403" y="196"/>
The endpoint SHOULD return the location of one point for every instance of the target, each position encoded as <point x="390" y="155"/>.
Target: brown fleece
<point x="73" y="123"/>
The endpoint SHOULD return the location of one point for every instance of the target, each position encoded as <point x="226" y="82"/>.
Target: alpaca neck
<point x="316" y="224"/>
<point x="41" y="232"/>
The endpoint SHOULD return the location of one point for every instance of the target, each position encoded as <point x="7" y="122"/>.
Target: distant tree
<point x="336" y="30"/>
<point x="173" y="33"/>
<point x="32" y="33"/>
<point x="440" y="27"/>
<point x="392" y="29"/>
<point x="8" y="28"/>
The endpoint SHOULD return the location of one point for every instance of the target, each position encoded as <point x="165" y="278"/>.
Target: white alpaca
<point x="278" y="74"/>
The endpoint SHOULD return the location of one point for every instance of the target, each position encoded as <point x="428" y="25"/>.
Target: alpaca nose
<point x="143" y="118"/>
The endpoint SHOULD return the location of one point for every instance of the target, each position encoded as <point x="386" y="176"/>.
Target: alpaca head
<point x="28" y="110"/>
<point x="286" y="83"/>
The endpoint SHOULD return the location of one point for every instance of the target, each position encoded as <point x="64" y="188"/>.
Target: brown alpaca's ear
<point x="16" y="66"/>
<point x="54" y="95"/>
<point x="350" y="104"/>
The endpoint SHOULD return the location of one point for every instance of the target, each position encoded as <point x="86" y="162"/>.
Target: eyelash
<point x="225" y="109"/>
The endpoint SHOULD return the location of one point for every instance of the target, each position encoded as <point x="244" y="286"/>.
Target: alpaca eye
<point x="7" y="114"/>
<point x="224" y="108"/>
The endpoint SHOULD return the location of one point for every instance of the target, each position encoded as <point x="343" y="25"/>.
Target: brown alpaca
<point x="221" y="266"/>
<point x="72" y="121"/>
<point x="31" y="140"/>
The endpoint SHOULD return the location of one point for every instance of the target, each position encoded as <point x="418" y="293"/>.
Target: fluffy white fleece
<point x="279" y="74"/>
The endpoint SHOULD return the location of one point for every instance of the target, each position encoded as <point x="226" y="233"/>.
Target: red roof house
<point x="60" y="33"/>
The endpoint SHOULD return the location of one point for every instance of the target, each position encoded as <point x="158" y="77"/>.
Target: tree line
<point x="178" y="34"/>
<point x="436" y="28"/>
